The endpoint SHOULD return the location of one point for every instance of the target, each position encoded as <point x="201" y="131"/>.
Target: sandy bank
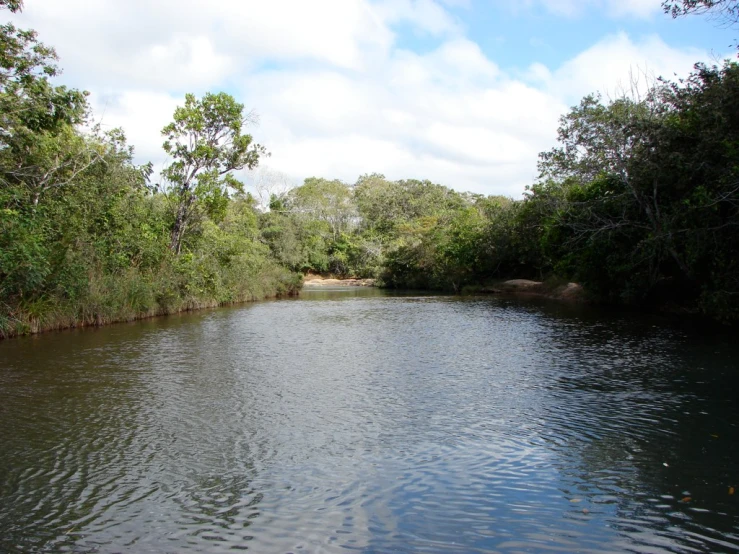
<point x="310" y="281"/>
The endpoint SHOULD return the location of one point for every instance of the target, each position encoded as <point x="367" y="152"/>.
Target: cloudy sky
<point x="462" y="92"/>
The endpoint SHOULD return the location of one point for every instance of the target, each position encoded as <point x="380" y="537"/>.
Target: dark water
<point x="353" y="421"/>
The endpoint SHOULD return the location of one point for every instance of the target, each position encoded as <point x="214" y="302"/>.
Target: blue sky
<point x="463" y="92"/>
<point x="520" y="36"/>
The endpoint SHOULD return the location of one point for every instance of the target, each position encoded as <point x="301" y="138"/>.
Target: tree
<point x="12" y="5"/>
<point x="642" y="199"/>
<point x="268" y="183"/>
<point x="384" y="204"/>
<point x="206" y="143"/>
<point x="38" y="146"/>
<point x="26" y="96"/>
<point x="611" y="150"/>
<point x="324" y="200"/>
<point x="727" y="9"/>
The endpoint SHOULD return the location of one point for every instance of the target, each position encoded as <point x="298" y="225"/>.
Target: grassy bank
<point x="135" y="295"/>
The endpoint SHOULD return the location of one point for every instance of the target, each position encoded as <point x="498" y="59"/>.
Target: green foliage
<point x="24" y="261"/>
<point x="383" y="205"/>
<point x="301" y="244"/>
<point x="323" y="200"/>
<point x="310" y="229"/>
<point x="641" y="200"/>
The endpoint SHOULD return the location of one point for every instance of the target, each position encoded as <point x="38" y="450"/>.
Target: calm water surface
<point x="357" y="421"/>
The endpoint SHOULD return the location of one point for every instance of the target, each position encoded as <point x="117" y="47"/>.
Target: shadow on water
<point x="354" y="419"/>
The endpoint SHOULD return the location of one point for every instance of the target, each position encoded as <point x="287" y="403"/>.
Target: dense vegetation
<point x="639" y="202"/>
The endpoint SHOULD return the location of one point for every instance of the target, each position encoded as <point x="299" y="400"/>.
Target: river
<point x="361" y="421"/>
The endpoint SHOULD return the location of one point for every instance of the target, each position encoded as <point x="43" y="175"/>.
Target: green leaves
<point x="641" y="200"/>
<point x="39" y="149"/>
<point x="323" y="200"/>
<point x="205" y="136"/>
<point x="12" y="5"/>
<point x="28" y="102"/>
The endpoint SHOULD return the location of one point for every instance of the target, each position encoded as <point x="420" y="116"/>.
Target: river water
<point x="355" y="420"/>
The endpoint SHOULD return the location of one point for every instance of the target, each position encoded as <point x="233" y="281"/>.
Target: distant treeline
<point x="639" y="203"/>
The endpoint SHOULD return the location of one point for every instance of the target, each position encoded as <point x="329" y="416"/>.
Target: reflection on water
<point x="357" y="420"/>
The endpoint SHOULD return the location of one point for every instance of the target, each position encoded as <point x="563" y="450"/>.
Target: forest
<point x="638" y="202"/>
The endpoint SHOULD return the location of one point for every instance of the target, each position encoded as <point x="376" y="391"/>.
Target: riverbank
<point x="312" y="280"/>
<point x="53" y="315"/>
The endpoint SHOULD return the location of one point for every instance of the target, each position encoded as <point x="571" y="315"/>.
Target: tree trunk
<point x="180" y="224"/>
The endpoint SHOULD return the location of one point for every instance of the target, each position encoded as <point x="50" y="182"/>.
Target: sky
<point x="464" y="93"/>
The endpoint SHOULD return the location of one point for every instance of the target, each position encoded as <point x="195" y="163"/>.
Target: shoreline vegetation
<point x="63" y="322"/>
<point x="638" y="203"/>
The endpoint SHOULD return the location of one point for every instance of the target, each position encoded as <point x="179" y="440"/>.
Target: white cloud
<point x="450" y="115"/>
<point x="336" y="95"/>
<point x="612" y="64"/>
<point x="466" y="4"/>
<point x="197" y="43"/>
<point x="141" y="114"/>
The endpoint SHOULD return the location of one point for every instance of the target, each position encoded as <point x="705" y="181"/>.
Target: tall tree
<point x="207" y="143"/>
